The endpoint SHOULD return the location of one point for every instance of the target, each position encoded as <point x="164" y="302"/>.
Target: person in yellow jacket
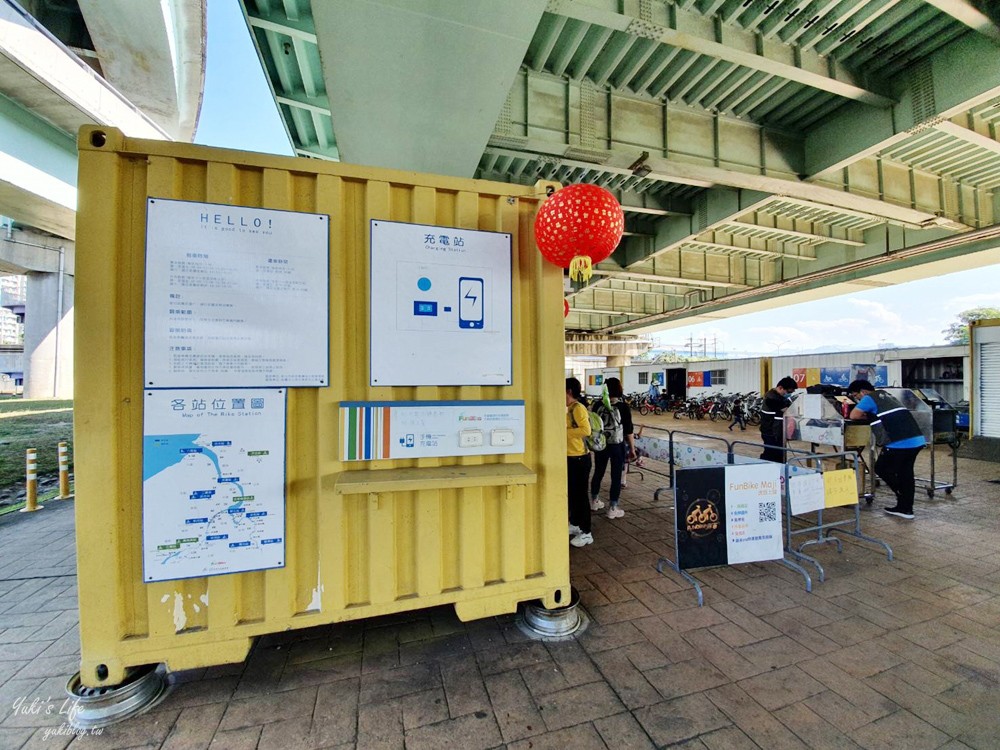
<point x="577" y="465"/>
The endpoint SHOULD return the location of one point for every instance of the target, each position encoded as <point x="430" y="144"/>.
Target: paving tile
<point x="813" y="729"/>
<point x="792" y="623"/>
<point x="864" y="659"/>
<point x="928" y="708"/>
<point x="727" y="660"/>
<point x="775" y="652"/>
<point x="142" y="730"/>
<point x="727" y="738"/>
<point x="264" y="709"/>
<point x="753" y="719"/>
<point x="620" y="731"/>
<point x="579" y="737"/>
<point x="426" y="707"/>
<point x="600" y="637"/>
<point x="693" y="618"/>
<point x="393" y="683"/>
<point x="465" y="689"/>
<point x="781" y="687"/>
<point x="574" y="663"/>
<point x="14" y="738"/>
<point x="669" y="642"/>
<point x="686" y="677"/>
<point x="195" y="727"/>
<point x="515" y="710"/>
<point x="469" y="732"/>
<point x="628" y="683"/>
<point x="579" y="704"/>
<point x="513" y="657"/>
<point x="236" y="739"/>
<point x="680" y="719"/>
<point x="852" y="630"/>
<point x="380" y="725"/>
<point x="899" y="730"/>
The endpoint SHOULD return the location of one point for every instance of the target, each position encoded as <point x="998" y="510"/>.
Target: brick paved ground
<point x="883" y="655"/>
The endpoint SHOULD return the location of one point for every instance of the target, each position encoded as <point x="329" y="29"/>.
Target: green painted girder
<point x="941" y="81"/>
<point x="892" y="257"/>
<point x="687" y="30"/>
<point x="285" y="37"/>
<point x="559" y="117"/>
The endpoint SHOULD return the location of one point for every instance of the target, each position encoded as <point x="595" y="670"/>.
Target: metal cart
<point x="944" y="432"/>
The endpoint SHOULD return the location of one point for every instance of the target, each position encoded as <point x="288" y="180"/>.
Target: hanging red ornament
<point x="578" y="226"/>
<point x="565" y="307"/>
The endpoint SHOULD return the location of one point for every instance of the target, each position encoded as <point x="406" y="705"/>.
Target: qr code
<point x="768" y="512"/>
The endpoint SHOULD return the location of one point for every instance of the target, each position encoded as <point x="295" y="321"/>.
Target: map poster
<point x="213" y="482"/>
<point x="700" y="512"/>
<point x="235" y="296"/>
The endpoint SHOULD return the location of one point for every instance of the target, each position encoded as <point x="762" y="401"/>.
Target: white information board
<point x="753" y="513"/>
<point x="213" y="482"/>
<point x="372" y="430"/>
<point x="235" y="296"/>
<point x="440" y="305"/>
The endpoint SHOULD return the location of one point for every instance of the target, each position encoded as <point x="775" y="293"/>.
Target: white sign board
<point x="753" y="513"/>
<point x="213" y="482"/>
<point x="806" y="493"/>
<point x="235" y="296"/>
<point x="420" y="429"/>
<point x="440" y="305"/>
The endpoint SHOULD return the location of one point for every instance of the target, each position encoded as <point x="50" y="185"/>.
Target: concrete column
<point x="619" y="361"/>
<point x="48" y="336"/>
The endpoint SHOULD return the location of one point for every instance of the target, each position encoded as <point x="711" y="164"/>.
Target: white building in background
<point x="12" y="296"/>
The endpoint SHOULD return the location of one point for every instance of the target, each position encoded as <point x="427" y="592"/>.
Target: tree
<point x="958" y="333"/>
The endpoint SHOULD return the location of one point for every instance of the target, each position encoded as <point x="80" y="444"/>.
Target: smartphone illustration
<point x="470" y="302"/>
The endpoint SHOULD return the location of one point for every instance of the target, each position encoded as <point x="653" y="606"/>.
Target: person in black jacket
<point x="898" y="432"/>
<point x="772" y="419"/>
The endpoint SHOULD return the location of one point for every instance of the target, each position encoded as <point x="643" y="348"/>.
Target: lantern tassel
<point x="580" y="268"/>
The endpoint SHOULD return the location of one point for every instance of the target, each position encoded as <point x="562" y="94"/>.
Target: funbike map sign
<point x="235" y="296"/>
<point x="728" y="514"/>
<point x="213" y="482"/>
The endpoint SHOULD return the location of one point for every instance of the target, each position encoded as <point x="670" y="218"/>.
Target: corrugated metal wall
<point x="481" y="532"/>
<point x="742" y="376"/>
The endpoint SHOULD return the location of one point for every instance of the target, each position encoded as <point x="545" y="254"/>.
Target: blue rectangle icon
<point x="425" y="308"/>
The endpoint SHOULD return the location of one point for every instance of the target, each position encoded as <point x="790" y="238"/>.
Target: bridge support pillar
<point x="48" y="335"/>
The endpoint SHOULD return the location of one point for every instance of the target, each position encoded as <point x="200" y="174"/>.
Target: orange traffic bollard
<point x="31" y="466"/>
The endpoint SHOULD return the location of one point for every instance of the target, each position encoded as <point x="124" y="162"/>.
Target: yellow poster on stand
<point x="840" y="487"/>
<point x="812" y="376"/>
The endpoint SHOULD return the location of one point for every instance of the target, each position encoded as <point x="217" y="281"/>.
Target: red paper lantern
<point x="578" y="226"/>
<point x="565" y="307"/>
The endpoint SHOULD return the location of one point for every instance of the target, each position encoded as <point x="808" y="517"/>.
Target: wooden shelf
<point x="366" y="481"/>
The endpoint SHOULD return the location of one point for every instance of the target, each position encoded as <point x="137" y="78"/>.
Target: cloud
<point x="985" y="299"/>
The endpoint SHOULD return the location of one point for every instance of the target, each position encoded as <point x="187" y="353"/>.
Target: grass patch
<point x="42" y="431"/>
<point x="43" y="498"/>
<point x="18" y="405"/>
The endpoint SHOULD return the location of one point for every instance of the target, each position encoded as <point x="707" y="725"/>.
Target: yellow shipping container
<point x="479" y="532"/>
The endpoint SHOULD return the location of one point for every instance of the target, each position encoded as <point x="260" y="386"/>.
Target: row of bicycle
<point x="712" y="406"/>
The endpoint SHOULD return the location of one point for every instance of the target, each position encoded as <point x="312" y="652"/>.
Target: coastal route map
<point x="213" y="482"/>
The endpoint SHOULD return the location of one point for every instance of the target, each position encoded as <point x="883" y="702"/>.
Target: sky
<point x="239" y="112"/>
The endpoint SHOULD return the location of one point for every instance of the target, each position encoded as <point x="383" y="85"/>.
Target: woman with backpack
<point x="617" y="428"/>
<point x="577" y="465"/>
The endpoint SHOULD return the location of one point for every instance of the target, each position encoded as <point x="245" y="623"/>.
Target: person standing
<point x="577" y="465"/>
<point x="738" y="415"/>
<point x="772" y="420"/>
<point x="617" y="418"/>
<point x="902" y="439"/>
